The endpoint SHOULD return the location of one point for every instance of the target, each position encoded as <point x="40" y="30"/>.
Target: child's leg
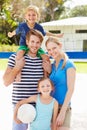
<point x="45" y="58"/>
<point x="20" y="54"/>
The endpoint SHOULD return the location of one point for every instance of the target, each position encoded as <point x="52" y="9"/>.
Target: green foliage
<point x="78" y="11"/>
<point x="54" y="9"/>
<point x="81" y="67"/>
<point x="4" y="39"/>
<point x="8" y="48"/>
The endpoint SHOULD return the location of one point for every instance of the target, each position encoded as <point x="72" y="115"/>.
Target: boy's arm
<point x="55" y="113"/>
<point x="11" y="34"/>
<point x="11" y="73"/>
<point x="54" y="35"/>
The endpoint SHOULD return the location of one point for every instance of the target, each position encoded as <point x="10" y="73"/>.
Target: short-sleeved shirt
<point x="30" y="74"/>
<point x="59" y="79"/>
<point x="23" y="28"/>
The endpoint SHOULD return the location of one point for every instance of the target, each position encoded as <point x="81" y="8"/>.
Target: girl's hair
<point x="45" y="78"/>
<point x="55" y="40"/>
<point x="35" y="9"/>
<point x="34" y="32"/>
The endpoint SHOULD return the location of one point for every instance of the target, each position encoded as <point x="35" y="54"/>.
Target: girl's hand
<point x="17" y="121"/>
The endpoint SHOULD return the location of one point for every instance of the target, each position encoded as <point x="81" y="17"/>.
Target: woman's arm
<point x="71" y="76"/>
<point x="55" y="113"/>
<point x="11" y="73"/>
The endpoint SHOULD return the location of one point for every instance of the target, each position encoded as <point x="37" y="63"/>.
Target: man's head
<point x="34" y="40"/>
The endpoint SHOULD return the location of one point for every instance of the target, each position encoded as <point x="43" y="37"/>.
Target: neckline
<point x="30" y="26"/>
<point x="44" y="103"/>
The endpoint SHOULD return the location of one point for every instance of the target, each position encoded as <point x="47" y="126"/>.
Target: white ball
<point x="26" y="113"/>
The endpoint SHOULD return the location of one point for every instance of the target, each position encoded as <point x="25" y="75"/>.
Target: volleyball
<point x="26" y="113"/>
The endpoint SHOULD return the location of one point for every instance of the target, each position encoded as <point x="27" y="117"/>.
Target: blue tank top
<point x="43" y="116"/>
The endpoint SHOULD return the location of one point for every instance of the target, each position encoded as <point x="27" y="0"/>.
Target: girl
<point x="63" y="75"/>
<point x="46" y="107"/>
<point x="32" y="17"/>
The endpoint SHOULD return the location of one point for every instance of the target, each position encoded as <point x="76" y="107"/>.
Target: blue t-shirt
<point x="23" y="28"/>
<point x="59" y="79"/>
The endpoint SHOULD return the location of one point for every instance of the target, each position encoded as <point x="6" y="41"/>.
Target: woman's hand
<point x="60" y="119"/>
<point x="47" y="66"/>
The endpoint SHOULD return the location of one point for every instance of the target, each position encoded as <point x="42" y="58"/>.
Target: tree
<point x="78" y="11"/>
<point x="53" y="9"/>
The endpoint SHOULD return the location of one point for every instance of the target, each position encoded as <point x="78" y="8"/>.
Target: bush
<point x="8" y="48"/>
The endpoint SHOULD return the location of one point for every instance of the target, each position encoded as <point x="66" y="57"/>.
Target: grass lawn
<point x="80" y="66"/>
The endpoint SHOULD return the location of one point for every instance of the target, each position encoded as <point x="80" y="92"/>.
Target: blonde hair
<point x="35" y="9"/>
<point x="35" y="33"/>
<point x="55" y="40"/>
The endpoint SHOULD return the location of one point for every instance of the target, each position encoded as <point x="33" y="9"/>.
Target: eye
<point x="54" y="48"/>
<point x="48" y="85"/>
<point x="42" y="86"/>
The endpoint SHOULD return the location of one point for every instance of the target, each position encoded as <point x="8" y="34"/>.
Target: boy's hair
<point x="34" y="32"/>
<point x="35" y="9"/>
<point x="46" y="78"/>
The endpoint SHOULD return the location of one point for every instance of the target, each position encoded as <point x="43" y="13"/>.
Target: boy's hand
<point x="60" y="35"/>
<point x="10" y="34"/>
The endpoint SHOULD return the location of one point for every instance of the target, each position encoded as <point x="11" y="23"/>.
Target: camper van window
<point x="81" y="31"/>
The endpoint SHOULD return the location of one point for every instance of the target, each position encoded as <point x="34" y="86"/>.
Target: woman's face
<point x="53" y="49"/>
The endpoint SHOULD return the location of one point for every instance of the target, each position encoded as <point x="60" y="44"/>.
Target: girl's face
<point x="31" y="16"/>
<point x="45" y="87"/>
<point x="53" y="49"/>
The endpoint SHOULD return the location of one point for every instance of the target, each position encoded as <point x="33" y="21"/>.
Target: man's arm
<point x="11" y="73"/>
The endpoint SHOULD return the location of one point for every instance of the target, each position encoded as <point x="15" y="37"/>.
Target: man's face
<point x="34" y="44"/>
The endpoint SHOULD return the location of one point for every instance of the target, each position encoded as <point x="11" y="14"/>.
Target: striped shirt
<point x="30" y="74"/>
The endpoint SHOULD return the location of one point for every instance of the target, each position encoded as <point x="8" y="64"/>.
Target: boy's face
<point x="34" y="44"/>
<point x="31" y="16"/>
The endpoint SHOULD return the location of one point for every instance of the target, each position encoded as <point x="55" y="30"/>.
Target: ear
<point x="27" y="42"/>
<point x="38" y="90"/>
<point x="60" y="45"/>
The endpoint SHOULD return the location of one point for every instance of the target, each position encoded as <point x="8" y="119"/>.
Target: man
<point x="31" y="71"/>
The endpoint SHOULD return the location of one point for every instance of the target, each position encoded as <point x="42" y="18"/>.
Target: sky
<point x="74" y="3"/>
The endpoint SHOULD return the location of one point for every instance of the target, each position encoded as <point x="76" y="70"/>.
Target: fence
<point x="72" y="55"/>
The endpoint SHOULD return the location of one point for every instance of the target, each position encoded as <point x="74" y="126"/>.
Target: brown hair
<point x="34" y="32"/>
<point x="55" y="40"/>
<point x="45" y="78"/>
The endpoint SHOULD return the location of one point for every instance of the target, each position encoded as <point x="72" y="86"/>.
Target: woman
<point x="63" y="76"/>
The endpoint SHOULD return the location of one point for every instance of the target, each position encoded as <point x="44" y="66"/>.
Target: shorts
<point x="67" y="121"/>
<point x="26" y="49"/>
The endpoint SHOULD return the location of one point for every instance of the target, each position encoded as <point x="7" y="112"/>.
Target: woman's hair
<point x="35" y="33"/>
<point x="33" y="8"/>
<point x="55" y="40"/>
<point x="45" y="78"/>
